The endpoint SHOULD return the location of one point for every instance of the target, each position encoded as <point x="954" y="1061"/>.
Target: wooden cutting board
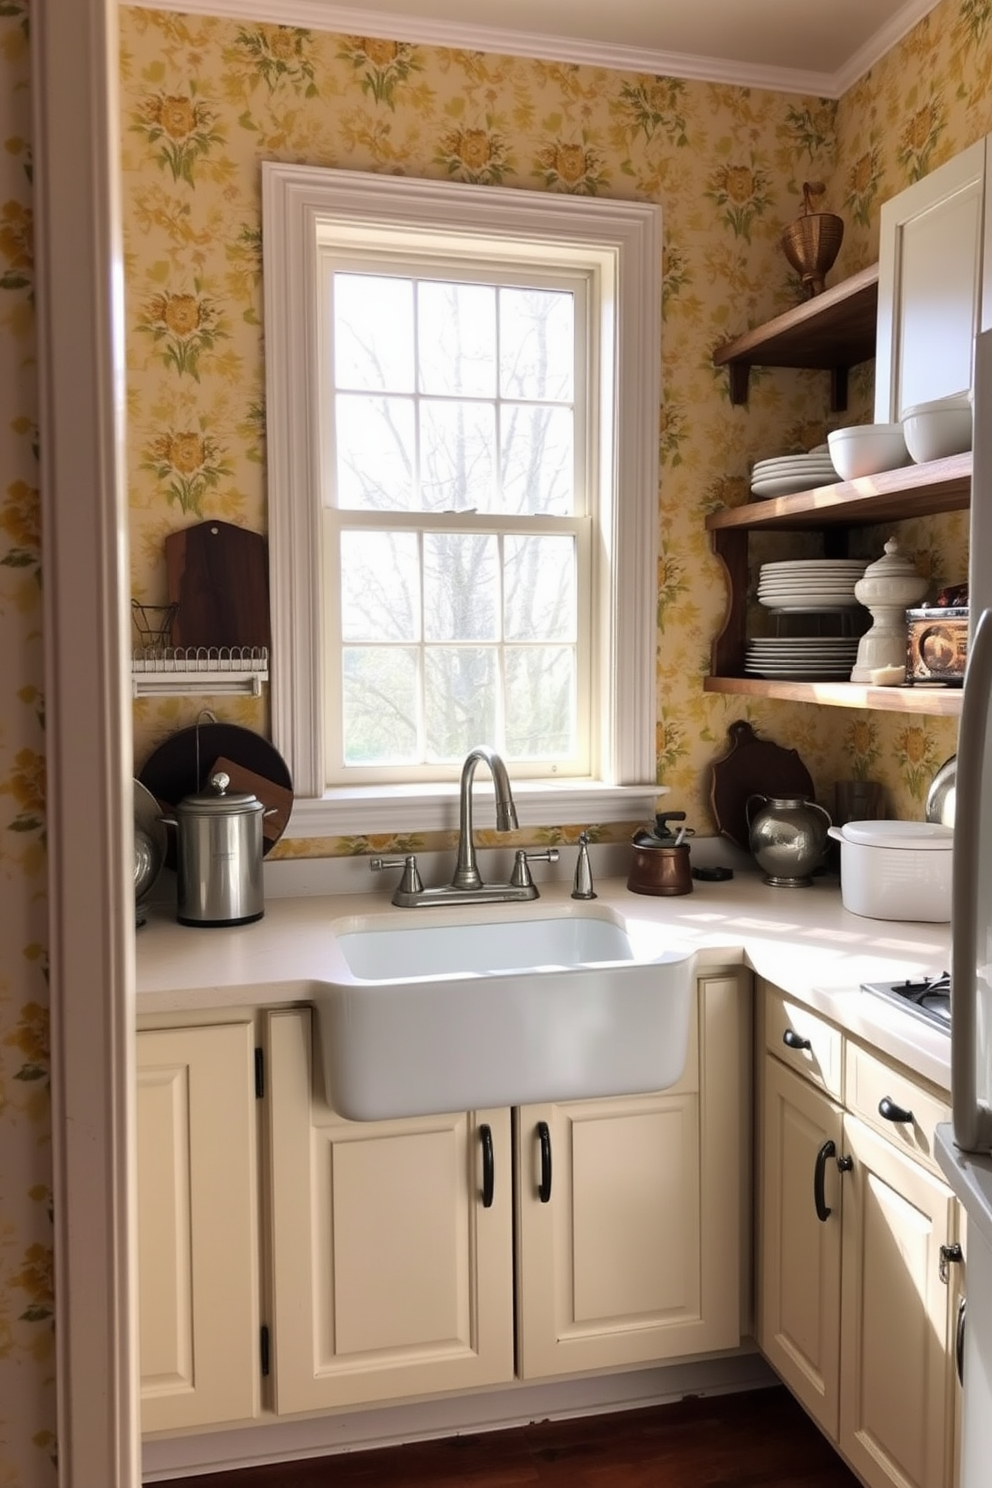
<point x="753" y="766"/>
<point x="218" y="574"/>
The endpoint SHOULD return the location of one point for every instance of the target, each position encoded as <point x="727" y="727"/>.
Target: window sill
<point x="398" y="810"/>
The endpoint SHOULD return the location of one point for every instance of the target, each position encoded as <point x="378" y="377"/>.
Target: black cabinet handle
<point x="544" y="1137"/>
<point x="959" y="1339"/>
<point x="793" y="1040"/>
<point x="819" y="1199"/>
<point x="488" y="1166"/>
<point x="891" y="1112"/>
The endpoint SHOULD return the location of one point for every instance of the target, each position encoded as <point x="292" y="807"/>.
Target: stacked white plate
<point x="787" y="474"/>
<point x="810" y="584"/>
<point x="802" y="658"/>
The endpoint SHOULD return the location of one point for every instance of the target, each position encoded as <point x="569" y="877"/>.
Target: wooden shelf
<point x="893" y="496"/>
<point x="834" y="330"/>
<point x="936" y="702"/>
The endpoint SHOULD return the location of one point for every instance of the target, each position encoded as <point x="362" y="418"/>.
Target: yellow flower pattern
<point x="205" y="99"/>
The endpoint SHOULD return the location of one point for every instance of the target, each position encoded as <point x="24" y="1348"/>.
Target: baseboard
<point x="272" y="1440"/>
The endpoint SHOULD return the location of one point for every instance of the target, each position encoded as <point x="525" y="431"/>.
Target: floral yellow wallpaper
<point x="27" y="1396"/>
<point x="206" y="99"/>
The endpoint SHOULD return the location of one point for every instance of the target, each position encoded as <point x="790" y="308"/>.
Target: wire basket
<point x="153" y="624"/>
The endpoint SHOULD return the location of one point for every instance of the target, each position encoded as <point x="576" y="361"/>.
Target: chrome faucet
<point x="467" y="886"/>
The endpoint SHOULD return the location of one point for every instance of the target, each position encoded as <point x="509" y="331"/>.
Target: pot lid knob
<point x="219" y="782"/>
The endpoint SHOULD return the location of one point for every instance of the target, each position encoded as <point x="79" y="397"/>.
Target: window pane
<point x="456" y="339"/>
<point x="537" y="470"/>
<point x="379" y="704"/>
<point x="456" y="456"/>
<point x="373" y="333"/>
<point x="461" y="587"/>
<point x="537" y="332"/>
<point x="540" y="702"/>
<point x="380" y="586"/>
<point x="375" y="453"/>
<point x="540" y="588"/>
<point x="460" y="706"/>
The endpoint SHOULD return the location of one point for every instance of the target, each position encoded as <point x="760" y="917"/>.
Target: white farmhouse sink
<point x="496" y="1008"/>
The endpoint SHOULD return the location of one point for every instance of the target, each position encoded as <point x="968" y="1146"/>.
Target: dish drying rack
<point x="159" y="671"/>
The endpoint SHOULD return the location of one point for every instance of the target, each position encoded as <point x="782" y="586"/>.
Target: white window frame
<point x="300" y="205"/>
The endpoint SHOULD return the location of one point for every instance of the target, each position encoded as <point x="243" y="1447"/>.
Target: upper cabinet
<point x="934" y="258"/>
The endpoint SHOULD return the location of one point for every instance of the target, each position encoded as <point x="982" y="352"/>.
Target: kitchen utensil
<point x="660" y="859"/>
<point x="220" y="855"/>
<point x="181" y="764"/>
<point x="857" y="800"/>
<point x="937" y="429"/>
<point x="752" y="766"/>
<point x="150" y="842"/>
<point x="895" y="870"/>
<point x="218" y="576"/>
<point x="865" y="449"/>
<point x="787" y="836"/>
<point x="941" y="797"/>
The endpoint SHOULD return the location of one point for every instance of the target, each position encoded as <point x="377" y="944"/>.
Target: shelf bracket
<point x="838" y="389"/>
<point x="740" y="377"/>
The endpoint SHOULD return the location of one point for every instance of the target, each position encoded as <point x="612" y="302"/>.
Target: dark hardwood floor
<point x="761" y="1439"/>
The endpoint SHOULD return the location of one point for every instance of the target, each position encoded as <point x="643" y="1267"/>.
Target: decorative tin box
<point x="937" y="645"/>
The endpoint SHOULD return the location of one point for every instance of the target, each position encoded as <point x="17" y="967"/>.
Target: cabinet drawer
<point x="804" y="1042"/>
<point x="871" y="1083"/>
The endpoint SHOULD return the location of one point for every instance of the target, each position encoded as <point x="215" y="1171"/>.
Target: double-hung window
<point x="462" y="405"/>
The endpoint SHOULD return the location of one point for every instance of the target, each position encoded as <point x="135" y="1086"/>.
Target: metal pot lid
<point x="217" y="800"/>
<point x="930" y="836"/>
<point x="942" y="792"/>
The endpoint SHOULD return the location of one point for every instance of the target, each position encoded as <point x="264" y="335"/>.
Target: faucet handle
<point x="521" y="876"/>
<point x="411" y="882"/>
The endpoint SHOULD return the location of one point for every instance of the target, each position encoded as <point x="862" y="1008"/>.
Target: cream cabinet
<point x="394" y="1250"/>
<point x="629" y="1211"/>
<point x="859" y="1272"/>
<point x="391" y="1243"/>
<point x="198" y="1283"/>
<point x="934" y="253"/>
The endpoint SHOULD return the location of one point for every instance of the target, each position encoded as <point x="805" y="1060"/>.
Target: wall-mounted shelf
<point x="834" y="330"/>
<point x="893" y="496"/>
<point x="169" y="671"/>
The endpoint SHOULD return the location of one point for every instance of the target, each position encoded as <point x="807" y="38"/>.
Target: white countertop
<point x="803" y="940"/>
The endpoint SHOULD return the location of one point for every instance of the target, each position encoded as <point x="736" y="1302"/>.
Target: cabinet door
<point x="931" y="265"/>
<point x="634" y="1254"/>
<point x="897" y="1391"/>
<point x="800" y="1253"/>
<point x="391" y="1277"/>
<point x="197" y="1226"/>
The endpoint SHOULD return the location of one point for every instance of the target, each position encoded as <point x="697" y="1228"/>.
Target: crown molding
<point x="351" y="20"/>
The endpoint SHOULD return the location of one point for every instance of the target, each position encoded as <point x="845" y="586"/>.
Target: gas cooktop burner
<point x="928" y="998"/>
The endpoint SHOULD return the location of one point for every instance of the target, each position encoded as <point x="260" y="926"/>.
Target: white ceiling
<point x="808" y="46"/>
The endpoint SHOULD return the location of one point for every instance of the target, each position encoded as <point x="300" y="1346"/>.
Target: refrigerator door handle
<point x="972" y="1115"/>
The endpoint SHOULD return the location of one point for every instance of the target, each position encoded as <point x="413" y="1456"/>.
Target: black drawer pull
<point x="959" y="1339"/>
<point x="544" y="1136"/>
<point x="891" y="1112"/>
<point x="793" y="1040"/>
<point x="488" y="1166"/>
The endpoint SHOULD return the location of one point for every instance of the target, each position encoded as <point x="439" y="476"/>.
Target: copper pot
<point x="656" y="868"/>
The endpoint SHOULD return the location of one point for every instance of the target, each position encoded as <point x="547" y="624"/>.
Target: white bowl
<point x="938" y="429"/>
<point x="865" y="449"/>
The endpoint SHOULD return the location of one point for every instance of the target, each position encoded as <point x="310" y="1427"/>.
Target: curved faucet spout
<point x="466" y="874"/>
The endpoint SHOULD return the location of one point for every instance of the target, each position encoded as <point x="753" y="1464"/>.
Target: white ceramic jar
<point x="896" y="870"/>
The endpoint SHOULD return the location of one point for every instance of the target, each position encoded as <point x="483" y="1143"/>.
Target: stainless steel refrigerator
<point x="965" y="1149"/>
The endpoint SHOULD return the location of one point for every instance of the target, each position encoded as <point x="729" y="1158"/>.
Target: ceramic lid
<point x="902" y="834"/>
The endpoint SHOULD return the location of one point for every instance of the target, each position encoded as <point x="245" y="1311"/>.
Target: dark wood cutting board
<point x="218" y="575"/>
<point x="753" y="766"/>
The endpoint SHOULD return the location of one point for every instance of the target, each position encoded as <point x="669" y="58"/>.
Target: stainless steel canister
<point x="219" y="855"/>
